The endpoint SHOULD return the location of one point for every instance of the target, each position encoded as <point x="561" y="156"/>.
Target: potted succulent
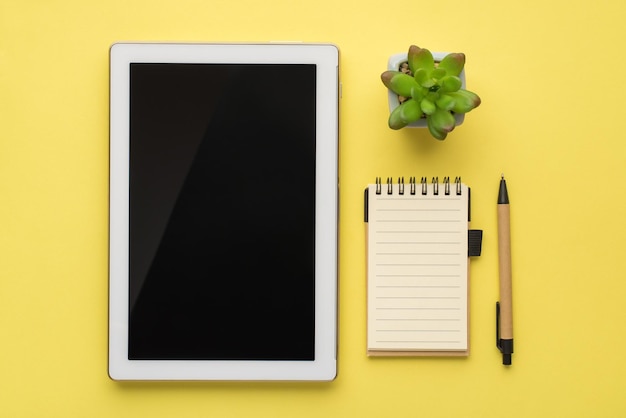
<point x="428" y="90"/>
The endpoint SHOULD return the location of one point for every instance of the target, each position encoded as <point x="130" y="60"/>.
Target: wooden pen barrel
<point x="504" y="264"/>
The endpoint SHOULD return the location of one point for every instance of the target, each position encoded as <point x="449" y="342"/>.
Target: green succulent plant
<point x="431" y="90"/>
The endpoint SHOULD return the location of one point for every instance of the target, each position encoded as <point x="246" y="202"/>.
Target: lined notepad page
<point x="417" y="270"/>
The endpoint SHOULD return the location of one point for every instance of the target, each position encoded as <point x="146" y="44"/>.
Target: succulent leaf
<point x="418" y="93"/>
<point x="387" y="76"/>
<point x="464" y="100"/>
<point x="410" y="111"/>
<point x="422" y="77"/>
<point x="438" y="73"/>
<point x="442" y="120"/>
<point x="428" y="107"/>
<point x="398" y="82"/>
<point x="450" y="83"/>
<point x="395" y="121"/>
<point x="453" y="63"/>
<point x="420" y="58"/>
<point x="445" y="102"/>
<point x="436" y="133"/>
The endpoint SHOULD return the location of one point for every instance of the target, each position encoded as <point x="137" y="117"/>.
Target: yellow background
<point x="550" y="74"/>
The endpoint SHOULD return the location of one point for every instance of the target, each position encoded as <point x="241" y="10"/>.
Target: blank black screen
<point x="222" y="212"/>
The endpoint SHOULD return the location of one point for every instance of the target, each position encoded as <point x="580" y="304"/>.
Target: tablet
<point x="223" y="211"/>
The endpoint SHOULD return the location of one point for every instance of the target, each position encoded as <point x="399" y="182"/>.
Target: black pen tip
<point x="503" y="194"/>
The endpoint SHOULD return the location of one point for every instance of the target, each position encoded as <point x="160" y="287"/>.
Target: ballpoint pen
<point x="504" y="311"/>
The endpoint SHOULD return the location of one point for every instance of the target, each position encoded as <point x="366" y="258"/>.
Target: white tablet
<point x="223" y="211"/>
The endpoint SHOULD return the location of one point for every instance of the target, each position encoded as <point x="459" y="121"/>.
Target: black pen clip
<point x="505" y="346"/>
<point x="498" y="327"/>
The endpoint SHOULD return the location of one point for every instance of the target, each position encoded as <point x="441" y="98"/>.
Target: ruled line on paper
<point x="426" y="309"/>
<point x="417" y="319"/>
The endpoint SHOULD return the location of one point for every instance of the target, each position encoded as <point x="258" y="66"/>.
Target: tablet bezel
<point x="326" y="59"/>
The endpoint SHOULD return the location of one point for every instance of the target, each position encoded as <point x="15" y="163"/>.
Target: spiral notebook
<point x="418" y="248"/>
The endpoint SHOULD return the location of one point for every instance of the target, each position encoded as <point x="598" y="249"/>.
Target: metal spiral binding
<point x="436" y="186"/>
<point x="424" y="184"/>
